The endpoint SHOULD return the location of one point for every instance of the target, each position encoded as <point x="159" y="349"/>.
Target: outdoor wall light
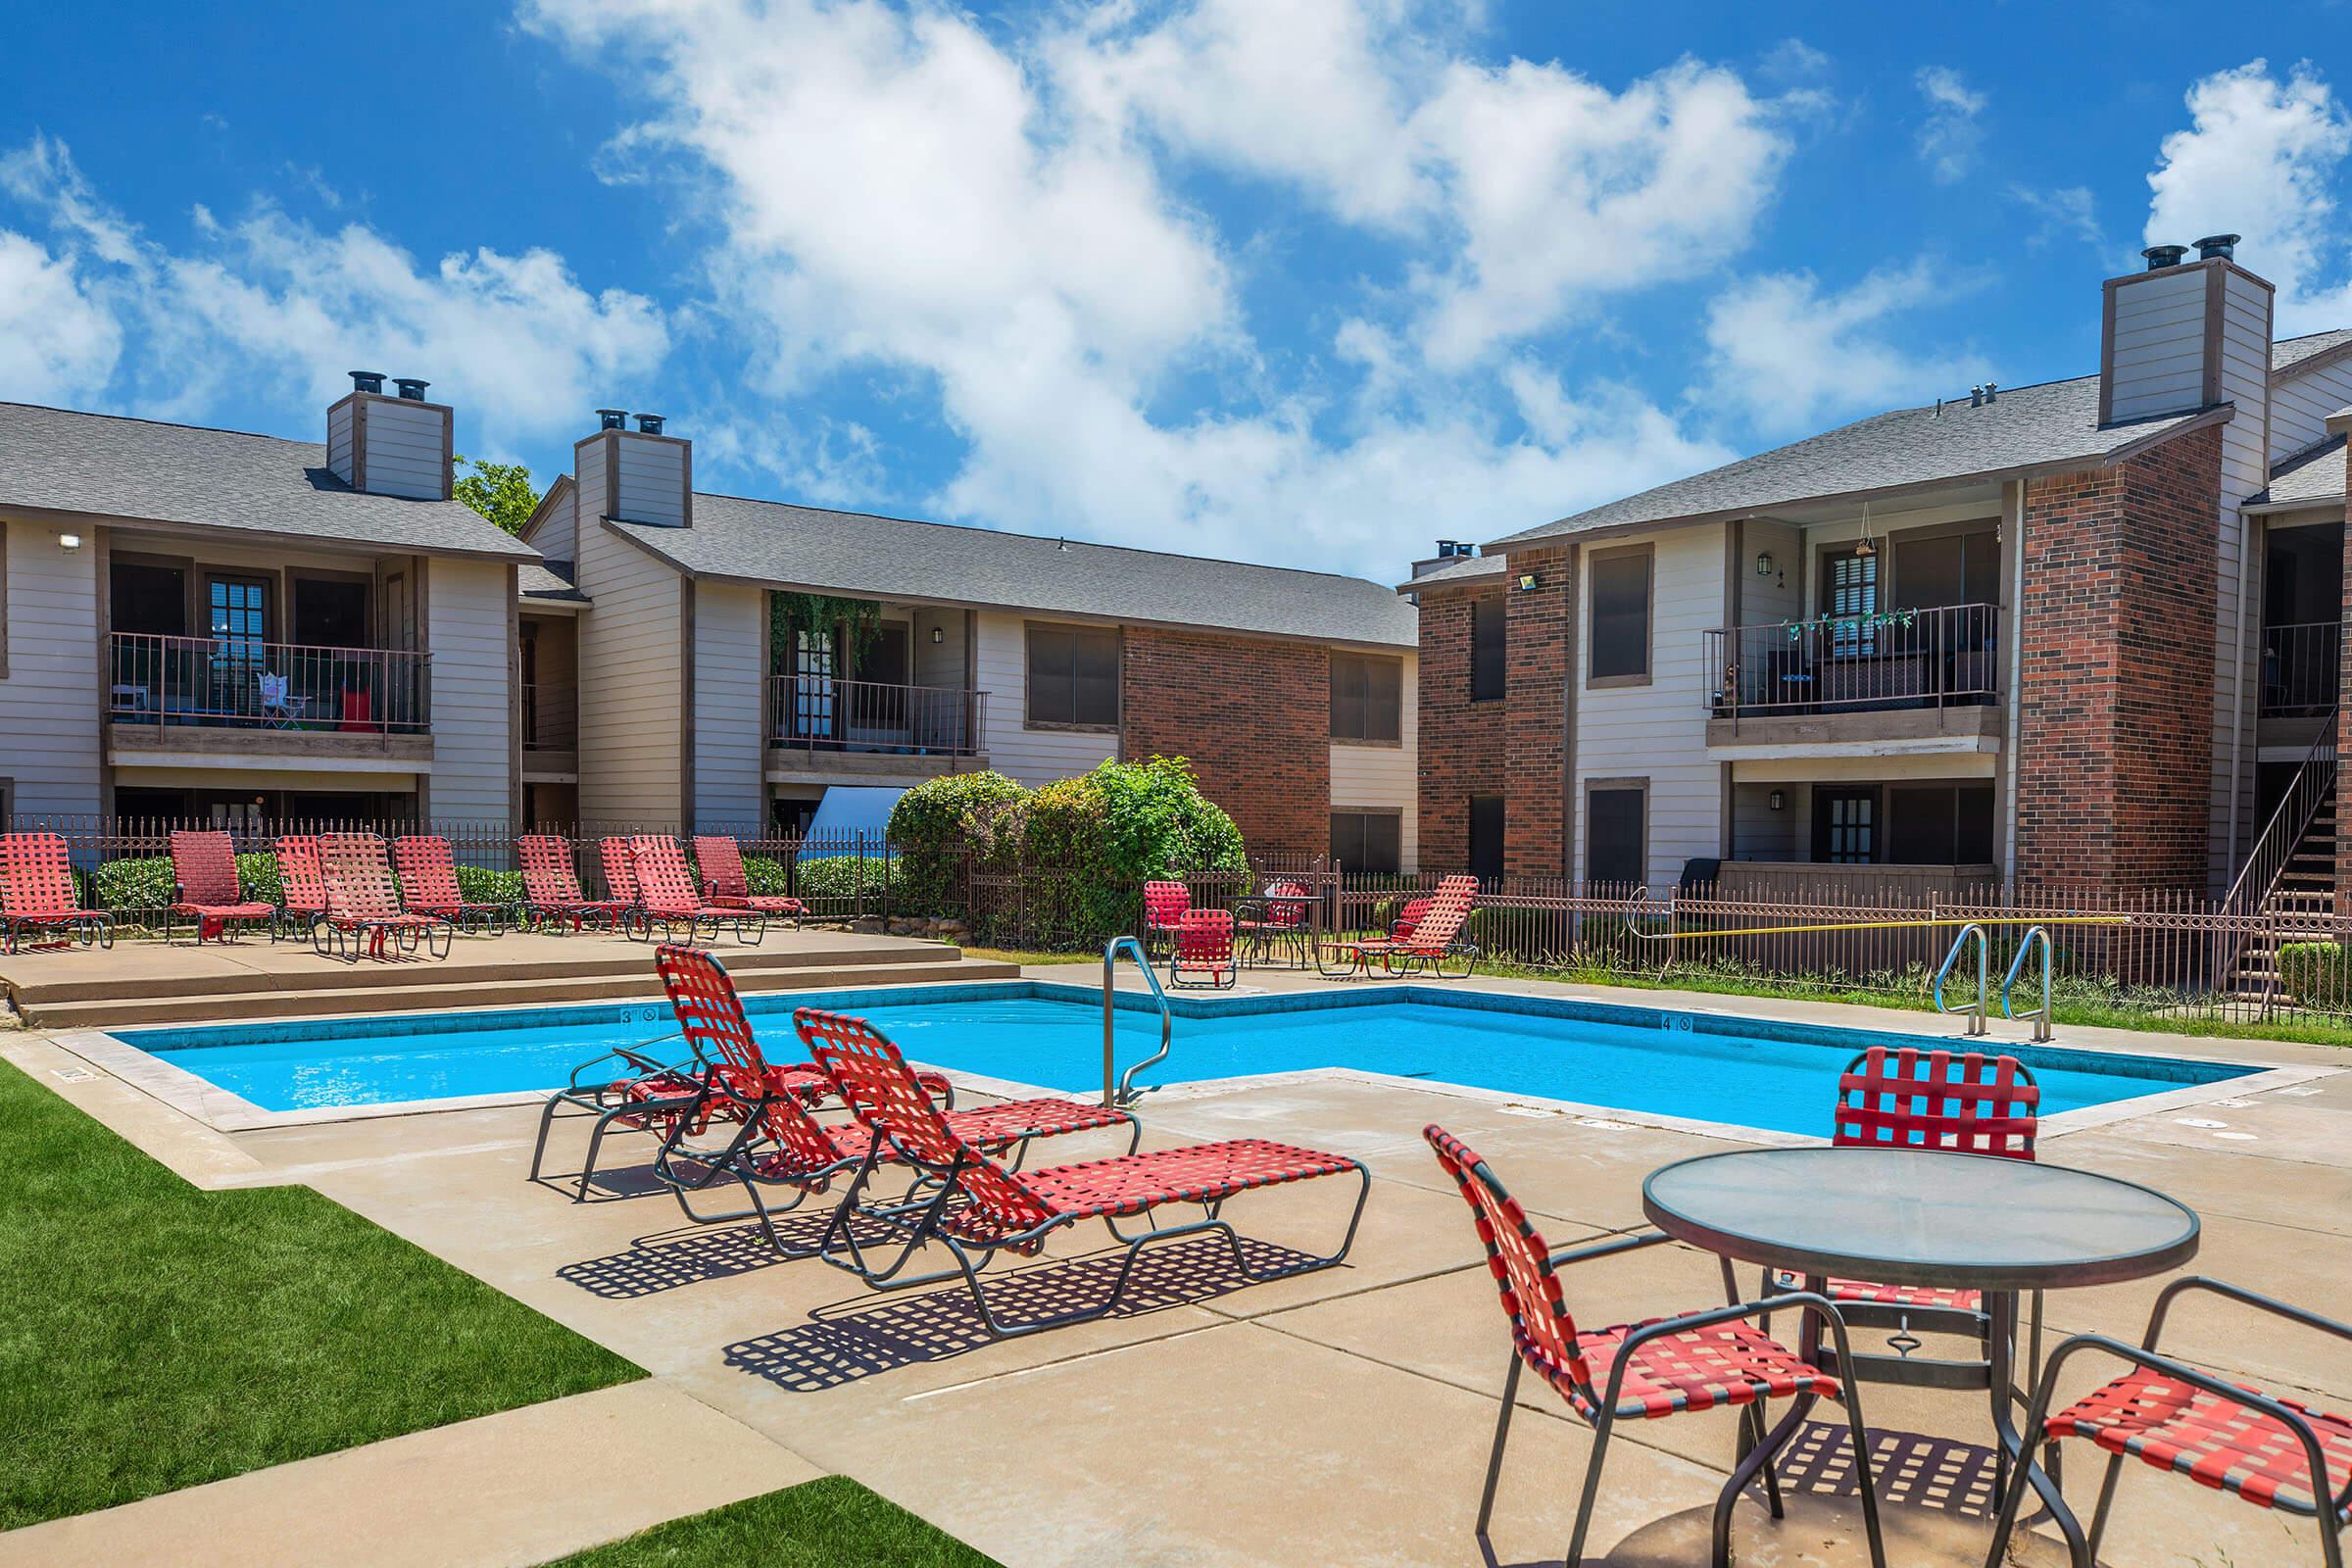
<point x="938" y="635"/>
<point x="68" y="542"/>
<point x="1764" y="563"/>
<point x="1526" y="581"/>
<point x="1776" y="799"/>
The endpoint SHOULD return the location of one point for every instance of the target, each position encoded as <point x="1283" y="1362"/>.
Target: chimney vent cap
<point x="650" y="423"/>
<point x="368" y="381"/>
<point x="611" y="418"/>
<point x="410" y="388"/>
<point x="2214" y="247"/>
<point x="2160" y="257"/>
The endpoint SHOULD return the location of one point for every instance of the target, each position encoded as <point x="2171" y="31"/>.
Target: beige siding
<point x="2245" y="371"/>
<point x="730" y="634"/>
<point x="653" y="479"/>
<point x="1760" y="833"/>
<point x="630" y="688"/>
<point x="1659" y="731"/>
<point x="588" y="490"/>
<point x="1032" y="756"/>
<point x="466" y="608"/>
<point x="338" y="441"/>
<point x="49" y="699"/>
<point x="1386" y="775"/>
<point x="404" y="448"/>
<point x="559" y="534"/>
<point x="938" y="664"/>
<point x="1764" y="601"/>
<point x="2159" y="355"/>
<point x="2300" y="403"/>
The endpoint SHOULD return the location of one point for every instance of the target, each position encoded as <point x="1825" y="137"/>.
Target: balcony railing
<point x="2299" y="669"/>
<point x="240" y="682"/>
<point x="1939" y="658"/>
<point x="818" y="714"/>
<point x="551" y="718"/>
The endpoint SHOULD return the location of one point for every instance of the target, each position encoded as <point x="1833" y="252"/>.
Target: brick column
<point x="1540" y="623"/>
<point x="1253" y="717"/>
<point x="1461" y="741"/>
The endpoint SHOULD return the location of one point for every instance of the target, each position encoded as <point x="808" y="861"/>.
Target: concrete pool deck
<point x="1339" y="1416"/>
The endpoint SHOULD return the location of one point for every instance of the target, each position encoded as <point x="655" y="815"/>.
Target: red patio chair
<point x="363" y="905"/>
<point x="1433" y="942"/>
<point x="205" y="887"/>
<point x="1408" y="918"/>
<point x="1203" y="950"/>
<point x="1165" y="904"/>
<point x="618" y="862"/>
<point x="2272" y="1452"/>
<point x="628" y="1088"/>
<point x="667" y="897"/>
<point x="302" y="888"/>
<point x="775" y="1140"/>
<point x="726" y="883"/>
<point x="36" y="895"/>
<point x="1274" y="918"/>
<point x="551" y="886"/>
<point x="976" y="1207"/>
<point x="1705" y="1360"/>
<point x="429" y="885"/>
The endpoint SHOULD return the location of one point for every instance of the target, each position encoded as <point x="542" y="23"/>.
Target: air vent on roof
<point x="368" y="381"/>
<point x="649" y="424"/>
<point x="2221" y="247"/>
<point x="2161" y="257"/>
<point x="611" y="418"/>
<point x="410" y="387"/>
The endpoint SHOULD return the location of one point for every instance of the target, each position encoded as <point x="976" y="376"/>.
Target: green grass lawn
<point x="830" y="1523"/>
<point x="1011" y="956"/>
<point x="154" y="1336"/>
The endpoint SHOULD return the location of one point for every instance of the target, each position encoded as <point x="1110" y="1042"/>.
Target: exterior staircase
<point x="2288" y="880"/>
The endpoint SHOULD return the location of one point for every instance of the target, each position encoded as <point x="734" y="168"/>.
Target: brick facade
<point x="1461" y="741"/>
<point x="2114" y="700"/>
<point x="1516" y="747"/>
<point x="1253" y="717"/>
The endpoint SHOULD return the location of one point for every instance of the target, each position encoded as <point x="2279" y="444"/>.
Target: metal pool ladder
<point x="1974" y="1011"/>
<point x="2024" y="949"/>
<point x="1122" y="1090"/>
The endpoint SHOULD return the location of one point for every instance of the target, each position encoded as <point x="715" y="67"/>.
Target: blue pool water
<point x="1751" y="1072"/>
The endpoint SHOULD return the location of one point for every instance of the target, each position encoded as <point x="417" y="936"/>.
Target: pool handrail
<point x="1976" y="1010"/>
<point x="1121" y="1090"/>
<point x="2024" y="949"/>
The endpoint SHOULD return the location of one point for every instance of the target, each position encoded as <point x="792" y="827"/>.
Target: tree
<point x="499" y="491"/>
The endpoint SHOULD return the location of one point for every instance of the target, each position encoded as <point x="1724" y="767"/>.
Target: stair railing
<point x="1120" y="1090"/>
<point x="1974" y="1011"/>
<point x="2313" y="783"/>
<point x="2025" y="951"/>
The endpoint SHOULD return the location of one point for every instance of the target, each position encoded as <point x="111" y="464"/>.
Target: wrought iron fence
<point x="243" y="682"/>
<point x="817" y="713"/>
<point x="2299" y="669"/>
<point x="1935" y="657"/>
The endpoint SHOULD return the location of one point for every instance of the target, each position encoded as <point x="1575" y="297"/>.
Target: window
<point x="1366" y="698"/>
<point x="1620" y="650"/>
<point x="330" y="612"/>
<point x="1616" y="845"/>
<point x="1486" y="645"/>
<point x="145" y="598"/>
<point x="1366" y="841"/>
<point x="240" y="615"/>
<point x="1074" y="677"/>
<point x="1845" y="826"/>
<point x="1852" y="581"/>
<point x="1939" y="824"/>
<point x="1952" y="569"/>
<point x="1485" y="837"/>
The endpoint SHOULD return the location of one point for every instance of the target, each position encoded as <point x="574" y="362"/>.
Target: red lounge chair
<point x="429" y="885"/>
<point x="727" y="884"/>
<point x="302" y="888"/>
<point x="1165" y="904"/>
<point x="1408" y="918"/>
<point x="1274" y="918"/>
<point x="363" y="906"/>
<point x="971" y="1205"/>
<point x="647" y="1094"/>
<point x="1659" y="1367"/>
<point x="2274" y="1451"/>
<point x="667" y="897"/>
<point x="1204" y="950"/>
<point x="774" y="1139"/>
<point x="36" y="895"/>
<point x="618" y="863"/>
<point x="205" y="887"/>
<point x="1434" y="941"/>
<point x="551" y="886"/>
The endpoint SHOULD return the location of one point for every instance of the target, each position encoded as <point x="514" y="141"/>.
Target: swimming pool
<point x="1716" y="1067"/>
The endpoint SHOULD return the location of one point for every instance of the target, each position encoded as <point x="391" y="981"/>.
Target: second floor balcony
<point x="820" y="717"/>
<point x="2299" y="669"/>
<point x="1896" y="662"/>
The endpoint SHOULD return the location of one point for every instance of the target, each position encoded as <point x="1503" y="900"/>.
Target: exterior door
<point x="1852" y="587"/>
<point x="1845" y="826"/>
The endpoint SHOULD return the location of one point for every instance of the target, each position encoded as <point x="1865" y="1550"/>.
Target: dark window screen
<point x="1614" y="851"/>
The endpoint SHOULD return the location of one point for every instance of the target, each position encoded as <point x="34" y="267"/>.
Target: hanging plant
<point x="860" y="620"/>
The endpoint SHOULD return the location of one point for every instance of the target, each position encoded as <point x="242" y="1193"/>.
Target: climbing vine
<point x="860" y="619"/>
<point x="1853" y="625"/>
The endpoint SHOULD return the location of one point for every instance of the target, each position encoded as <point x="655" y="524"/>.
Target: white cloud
<point x="266" y="300"/>
<point x="56" y="344"/>
<point x="1790" y="355"/>
<point x="1951" y="135"/>
<point x="2067" y="212"/>
<point x="2258" y="159"/>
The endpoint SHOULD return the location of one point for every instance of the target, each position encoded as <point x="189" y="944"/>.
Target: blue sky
<point x="1308" y="281"/>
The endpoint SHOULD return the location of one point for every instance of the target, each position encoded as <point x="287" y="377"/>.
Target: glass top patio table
<point x="1920" y="1217"/>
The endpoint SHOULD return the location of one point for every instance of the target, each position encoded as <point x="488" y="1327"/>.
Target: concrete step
<point x="475" y="959"/>
<point x="640" y="984"/>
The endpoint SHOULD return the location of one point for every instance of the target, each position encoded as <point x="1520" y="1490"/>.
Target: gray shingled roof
<point x="2313" y="474"/>
<point x="2287" y="353"/>
<point x="1463" y="569"/>
<point x="2045" y="427"/>
<point x="890" y="558"/>
<point x="535" y="581"/>
<point x="113" y="466"/>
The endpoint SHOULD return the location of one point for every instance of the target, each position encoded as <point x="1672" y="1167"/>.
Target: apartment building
<point x="207" y="624"/>
<point x="736" y="663"/>
<point x="2085" y="633"/>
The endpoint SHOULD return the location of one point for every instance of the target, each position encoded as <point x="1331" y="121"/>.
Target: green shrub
<point x="842" y="876"/>
<point x="2314" y="974"/>
<point x="140" y="883"/>
<point x="765" y="876"/>
<point x="480" y="885"/>
<point x="258" y="875"/>
<point x="940" y="821"/>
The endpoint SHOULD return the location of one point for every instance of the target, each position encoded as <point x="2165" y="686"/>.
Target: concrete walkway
<point x="1342" y="1416"/>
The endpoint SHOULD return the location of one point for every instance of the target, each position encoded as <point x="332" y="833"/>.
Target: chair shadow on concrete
<point x="690" y="1255"/>
<point x="611" y="1184"/>
<point x="857" y="1339"/>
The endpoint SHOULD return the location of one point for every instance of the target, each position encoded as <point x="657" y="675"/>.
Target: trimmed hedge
<point x="842" y="876"/>
<point x="144" y="882"/>
<point x="2314" y="974"/>
<point x="480" y="885"/>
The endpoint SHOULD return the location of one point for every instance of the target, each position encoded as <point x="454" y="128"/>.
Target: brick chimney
<point x="2184" y="334"/>
<point x="639" y="476"/>
<point x="399" y="445"/>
